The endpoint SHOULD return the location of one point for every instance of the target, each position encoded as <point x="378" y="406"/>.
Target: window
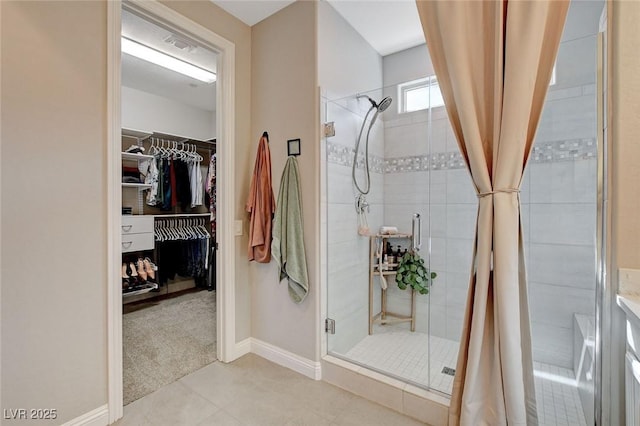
<point x="425" y="93"/>
<point x="420" y="94"/>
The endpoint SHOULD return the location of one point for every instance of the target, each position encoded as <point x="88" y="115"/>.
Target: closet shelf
<point x="136" y="157"/>
<point x="146" y="289"/>
<point x="136" y="185"/>
<point x="141" y="135"/>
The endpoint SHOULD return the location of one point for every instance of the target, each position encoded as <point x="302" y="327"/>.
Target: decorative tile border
<point x="543" y="152"/>
<point x="568" y="150"/>
<point x="423" y="163"/>
<point x="343" y="155"/>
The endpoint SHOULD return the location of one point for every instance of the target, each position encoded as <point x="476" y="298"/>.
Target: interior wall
<point x="54" y="215"/>
<point x="285" y="103"/>
<point x="625" y="174"/>
<point x="407" y="65"/>
<point x="342" y="48"/>
<point x="347" y="64"/>
<point x="626" y="122"/>
<point x="222" y="23"/>
<point x="153" y="113"/>
<point x="54" y="206"/>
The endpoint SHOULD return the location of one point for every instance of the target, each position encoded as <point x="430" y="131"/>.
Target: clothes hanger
<point x="176" y="151"/>
<point x="178" y="229"/>
<point x="169" y="231"/>
<point x="152" y="148"/>
<point x="194" y="152"/>
<point x="192" y="232"/>
<point x="156" y="231"/>
<point x="163" y="152"/>
<point x="160" y="225"/>
<point x="165" y="233"/>
<point x="180" y="151"/>
<point x="186" y="233"/>
<point x="163" y="229"/>
<point x="202" y="232"/>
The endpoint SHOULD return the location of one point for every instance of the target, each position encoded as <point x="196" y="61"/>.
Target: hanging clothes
<point x="166" y="179"/>
<point x="183" y="184"/>
<point x="195" y="180"/>
<point x="182" y="246"/>
<point x="175" y="177"/>
<point x="152" y="175"/>
<point x="159" y="198"/>
<point x="172" y="181"/>
<point x="261" y="205"/>
<point x="288" y="237"/>
<point x="184" y="258"/>
<point x="211" y="190"/>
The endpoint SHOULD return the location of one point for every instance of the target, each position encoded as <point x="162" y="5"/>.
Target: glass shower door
<point x="377" y="324"/>
<point x="348" y="216"/>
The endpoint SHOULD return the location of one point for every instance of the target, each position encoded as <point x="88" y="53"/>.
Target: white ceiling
<point x="388" y="25"/>
<point x="252" y="11"/>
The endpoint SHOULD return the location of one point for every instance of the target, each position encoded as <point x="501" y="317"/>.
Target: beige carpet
<point x="167" y="340"/>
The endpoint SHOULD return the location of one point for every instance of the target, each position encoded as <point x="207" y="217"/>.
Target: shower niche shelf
<point x="384" y="316"/>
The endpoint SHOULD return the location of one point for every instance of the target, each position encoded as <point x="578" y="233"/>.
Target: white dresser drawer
<point x="137" y="242"/>
<point x="140" y="224"/>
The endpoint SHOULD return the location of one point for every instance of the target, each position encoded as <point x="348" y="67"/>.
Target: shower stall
<point x="410" y="162"/>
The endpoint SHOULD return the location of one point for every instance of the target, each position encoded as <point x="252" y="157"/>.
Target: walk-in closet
<point x="168" y="104"/>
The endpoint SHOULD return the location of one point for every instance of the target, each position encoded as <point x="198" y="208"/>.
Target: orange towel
<point x="261" y="205"/>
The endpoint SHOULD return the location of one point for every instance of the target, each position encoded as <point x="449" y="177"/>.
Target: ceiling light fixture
<point x="148" y="54"/>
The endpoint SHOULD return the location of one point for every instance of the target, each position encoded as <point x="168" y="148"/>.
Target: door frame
<point x="225" y="116"/>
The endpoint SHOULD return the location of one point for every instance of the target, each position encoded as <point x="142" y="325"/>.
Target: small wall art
<point x="293" y="147"/>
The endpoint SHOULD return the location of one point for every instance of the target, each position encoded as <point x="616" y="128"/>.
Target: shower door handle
<point x="416" y="232"/>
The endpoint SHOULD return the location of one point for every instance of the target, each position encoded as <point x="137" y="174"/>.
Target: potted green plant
<point x="412" y="273"/>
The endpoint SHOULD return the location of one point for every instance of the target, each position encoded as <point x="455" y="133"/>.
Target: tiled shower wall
<point x="562" y="180"/>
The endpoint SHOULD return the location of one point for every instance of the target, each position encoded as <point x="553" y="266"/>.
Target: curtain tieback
<point x="496" y="191"/>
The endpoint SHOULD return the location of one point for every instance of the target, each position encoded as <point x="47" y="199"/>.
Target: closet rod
<point x="182" y="139"/>
<point x="160" y="216"/>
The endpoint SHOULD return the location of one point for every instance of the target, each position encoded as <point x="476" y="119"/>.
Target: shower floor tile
<point x="405" y="354"/>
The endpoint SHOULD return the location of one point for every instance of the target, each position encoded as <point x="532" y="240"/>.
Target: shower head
<point x="383" y="105"/>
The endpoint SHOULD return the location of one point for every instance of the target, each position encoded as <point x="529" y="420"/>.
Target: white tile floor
<point x="406" y="355"/>
<point x="557" y="396"/>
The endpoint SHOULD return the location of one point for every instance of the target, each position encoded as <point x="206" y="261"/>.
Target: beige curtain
<point x="493" y="61"/>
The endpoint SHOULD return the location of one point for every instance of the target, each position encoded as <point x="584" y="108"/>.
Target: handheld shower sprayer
<point x="379" y="108"/>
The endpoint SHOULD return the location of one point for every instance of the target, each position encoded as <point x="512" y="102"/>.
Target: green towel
<point x="287" y="247"/>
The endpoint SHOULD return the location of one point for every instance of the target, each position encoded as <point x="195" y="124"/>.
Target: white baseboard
<point x="287" y="359"/>
<point x="242" y="348"/>
<point x="97" y="417"/>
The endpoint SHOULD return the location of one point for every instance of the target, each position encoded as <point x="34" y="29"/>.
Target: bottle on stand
<point x="390" y="254"/>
